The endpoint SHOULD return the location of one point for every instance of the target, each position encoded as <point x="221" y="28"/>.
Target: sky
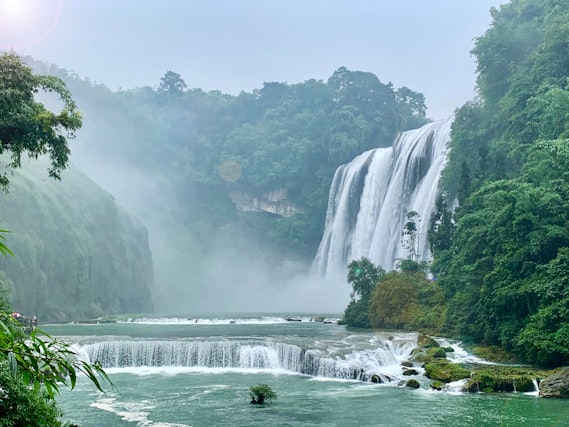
<point x="236" y="45"/>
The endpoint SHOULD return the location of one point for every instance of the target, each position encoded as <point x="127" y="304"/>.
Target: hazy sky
<point x="235" y="45"/>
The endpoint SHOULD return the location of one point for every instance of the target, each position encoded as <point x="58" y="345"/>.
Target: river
<point x="197" y="370"/>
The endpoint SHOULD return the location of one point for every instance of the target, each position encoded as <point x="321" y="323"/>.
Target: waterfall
<point x="371" y="196"/>
<point x="382" y="360"/>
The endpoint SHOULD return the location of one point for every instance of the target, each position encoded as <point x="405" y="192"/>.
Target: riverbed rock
<point x="445" y="371"/>
<point x="412" y="384"/>
<point x="437" y="353"/>
<point x="556" y="385"/>
<point x="425" y="341"/>
<point x="410" y="372"/>
<point x="493" y="379"/>
<point x="437" y="385"/>
<point x="376" y="379"/>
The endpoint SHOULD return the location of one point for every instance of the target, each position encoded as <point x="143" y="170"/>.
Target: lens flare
<point x="26" y="23"/>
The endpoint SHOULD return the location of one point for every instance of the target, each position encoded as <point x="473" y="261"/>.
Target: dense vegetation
<point x="503" y="263"/>
<point x="501" y="260"/>
<point x="77" y="255"/>
<point x="208" y="146"/>
<point x="404" y="299"/>
<point x="32" y="364"/>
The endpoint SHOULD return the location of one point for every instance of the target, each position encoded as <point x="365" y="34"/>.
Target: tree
<point x="407" y="300"/>
<point x="363" y="276"/>
<point x="27" y="126"/>
<point x="410" y="235"/>
<point x="394" y="301"/>
<point x="261" y="393"/>
<point x="172" y="84"/>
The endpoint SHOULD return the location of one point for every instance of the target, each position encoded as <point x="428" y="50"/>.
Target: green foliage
<point x="407" y="300"/>
<point x="363" y="276"/>
<point x="289" y="137"/>
<point x="171" y="84"/>
<point x="41" y="360"/>
<point x="502" y="379"/>
<point x="26" y="126"/>
<point x="4" y="250"/>
<point x="445" y="371"/>
<point x="356" y="313"/>
<point x="261" y="393"/>
<point x="504" y="254"/>
<point x="77" y="254"/>
<point x="24" y="406"/>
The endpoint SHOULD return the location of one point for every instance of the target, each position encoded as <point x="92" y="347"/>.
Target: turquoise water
<point x="212" y="390"/>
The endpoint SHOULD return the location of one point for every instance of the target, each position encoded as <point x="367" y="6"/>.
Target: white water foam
<point x="131" y="412"/>
<point x="263" y="320"/>
<point x="371" y="196"/>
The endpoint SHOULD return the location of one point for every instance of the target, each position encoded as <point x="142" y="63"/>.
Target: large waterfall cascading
<point x="371" y="196"/>
<point x="382" y="360"/>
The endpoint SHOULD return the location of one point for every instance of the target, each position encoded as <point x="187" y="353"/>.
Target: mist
<point x="413" y="43"/>
<point x="230" y="274"/>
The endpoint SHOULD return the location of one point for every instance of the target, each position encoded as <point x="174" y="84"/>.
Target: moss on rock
<point x="437" y="385"/>
<point x="424" y="341"/>
<point x="445" y="371"/>
<point x="496" y="379"/>
<point x="412" y="384"/>
<point x="437" y="353"/>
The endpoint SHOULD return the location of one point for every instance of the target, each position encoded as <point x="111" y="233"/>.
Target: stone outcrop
<point x="556" y="385"/>
<point x="275" y="202"/>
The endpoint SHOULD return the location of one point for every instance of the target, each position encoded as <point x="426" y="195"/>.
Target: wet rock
<point x="376" y="379"/>
<point x="412" y="384"/>
<point x="437" y="385"/>
<point x="556" y="385"/>
<point x="425" y="341"/>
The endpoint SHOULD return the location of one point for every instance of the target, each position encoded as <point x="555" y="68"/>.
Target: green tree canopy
<point x="26" y="125"/>
<point x="503" y="254"/>
<point x="363" y="276"/>
<point x="34" y="358"/>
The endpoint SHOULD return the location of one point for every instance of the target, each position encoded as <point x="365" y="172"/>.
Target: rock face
<point x="77" y="254"/>
<point x="274" y="202"/>
<point x="556" y="385"/>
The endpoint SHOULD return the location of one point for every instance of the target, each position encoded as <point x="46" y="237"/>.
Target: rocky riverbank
<point x="477" y="377"/>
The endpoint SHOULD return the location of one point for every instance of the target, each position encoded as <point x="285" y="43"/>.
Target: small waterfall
<point x="382" y="360"/>
<point x="371" y="196"/>
<point x="535" y="387"/>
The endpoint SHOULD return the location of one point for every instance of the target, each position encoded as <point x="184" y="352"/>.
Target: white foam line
<point x="131" y="412"/>
<point x="177" y="370"/>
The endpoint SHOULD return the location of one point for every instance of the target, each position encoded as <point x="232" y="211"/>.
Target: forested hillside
<point x="239" y="181"/>
<point x="77" y="254"/>
<point x="504" y="261"/>
<point x="207" y="146"/>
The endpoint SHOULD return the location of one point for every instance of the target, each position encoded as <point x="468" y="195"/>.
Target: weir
<point x="382" y="361"/>
<point x="371" y="196"/>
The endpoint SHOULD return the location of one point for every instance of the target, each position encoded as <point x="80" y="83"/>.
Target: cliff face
<point x="274" y="202"/>
<point x="77" y="254"/>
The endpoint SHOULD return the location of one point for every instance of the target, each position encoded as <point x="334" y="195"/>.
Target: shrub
<point x="23" y="405"/>
<point x="261" y="393"/>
